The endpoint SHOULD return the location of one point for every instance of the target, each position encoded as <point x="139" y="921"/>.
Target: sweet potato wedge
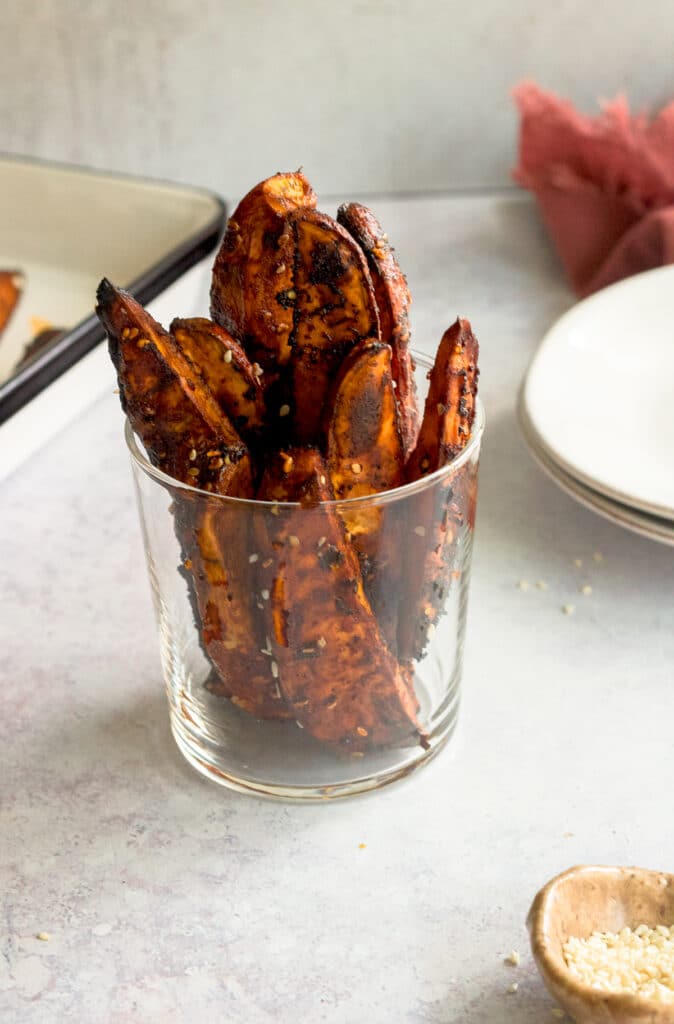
<point x="365" y="456"/>
<point x="393" y="302"/>
<point x="450" y="403"/>
<point x="335" y="672"/>
<point x="226" y="369"/>
<point x="438" y="516"/>
<point x="334" y="309"/>
<point x="216" y="564"/>
<point x="252" y="284"/>
<point x="181" y="425"/>
<point x="183" y="430"/>
<point x="11" y="286"/>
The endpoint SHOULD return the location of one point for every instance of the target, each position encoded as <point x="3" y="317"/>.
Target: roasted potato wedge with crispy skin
<point x="365" y="456"/>
<point x="232" y="629"/>
<point x="438" y="516"/>
<point x="251" y="291"/>
<point x="450" y="403"/>
<point x="226" y="369"/>
<point x="182" y="427"/>
<point x="393" y="302"/>
<point x="335" y="672"/>
<point x="11" y="286"/>
<point x="183" y="430"/>
<point x="334" y="309"/>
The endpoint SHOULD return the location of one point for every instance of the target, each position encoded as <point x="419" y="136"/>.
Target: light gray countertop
<point x="168" y="899"/>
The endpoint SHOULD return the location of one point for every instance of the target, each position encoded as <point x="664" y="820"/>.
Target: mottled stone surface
<point x="168" y="899"/>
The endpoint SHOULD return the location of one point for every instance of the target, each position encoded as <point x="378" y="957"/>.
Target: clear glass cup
<point x="297" y="668"/>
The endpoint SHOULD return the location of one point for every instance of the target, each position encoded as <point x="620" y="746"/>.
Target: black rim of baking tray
<point x="46" y="367"/>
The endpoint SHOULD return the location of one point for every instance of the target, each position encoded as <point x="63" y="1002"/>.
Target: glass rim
<point x="393" y="494"/>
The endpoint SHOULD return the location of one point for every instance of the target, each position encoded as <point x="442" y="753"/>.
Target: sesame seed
<point x="228" y="355"/>
<point x="597" y="557"/>
<point x="193" y="471"/>
<point x="275" y="511"/>
<point x="430" y="630"/>
<point x="281" y="267"/>
<point x="639" y="960"/>
<point x="259" y="605"/>
<point x="541" y="585"/>
<point x="512" y="989"/>
<point x="298" y="724"/>
<point x="188" y="563"/>
<point x="116" y="391"/>
<point x="228" y="460"/>
<point x="321" y="641"/>
<point x="332" y="705"/>
<point x="257" y="370"/>
<point x="284" y="410"/>
<point x="322" y="480"/>
<point x="578" y="562"/>
<point x="420" y="531"/>
<point x="523" y="585"/>
<point x="394" y="384"/>
<point x="193" y="455"/>
<point x="293" y="541"/>
<point x="440" y="408"/>
<point x="513" y="958"/>
<point x="142" y="342"/>
<point x="568" y="609"/>
<point x="253" y="558"/>
<point x="586" y="589"/>
<point x="267" y="562"/>
<point x="288" y="463"/>
<point x="43" y="936"/>
<point x="274" y="669"/>
<point x="125" y="333"/>
<point x="357" y="753"/>
<point x="217" y="463"/>
<point x="213" y="452"/>
<point x="133" y="332"/>
<point x="356" y="468"/>
<point x="424" y="464"/>
<point x="264" y="594"/>
<point x="291" y="294"/>
<point x="321" y="542"/>
<point x="361" y="731"/>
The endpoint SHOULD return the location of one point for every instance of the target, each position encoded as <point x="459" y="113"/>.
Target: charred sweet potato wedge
<point x="226" y="369"/>
<point x="252" y="284"/>
<point x="216" y="564"/>
<point x="365" y="456"/>
<point x="334" y="309"/>
<point x="186" y="433"/>
<point x="335" y="672"/>
<point x="450" y="403"/>
<point x="437" y="516"/>
<point x="393" y="303"/>
<point x="11" y="286"/>
<point x="182" y="427"/>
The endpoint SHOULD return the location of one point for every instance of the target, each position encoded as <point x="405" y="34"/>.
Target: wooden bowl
<point x="593" y="898"/>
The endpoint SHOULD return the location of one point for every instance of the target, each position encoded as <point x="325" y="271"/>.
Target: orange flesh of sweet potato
<point x="11" y="286"/>
<point x="393" y="302"/>
<point x="251" y="291"/>
<point x="334" y="309"/>
<point x="438" y="516"/>
<point x="335" y="672"/>
<point x="365" y="456"/>
<point x="226" y="369"/>
<point x="183" y="429"/>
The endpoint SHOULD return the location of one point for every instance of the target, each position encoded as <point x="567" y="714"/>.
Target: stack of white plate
<point x="597" y="404"/>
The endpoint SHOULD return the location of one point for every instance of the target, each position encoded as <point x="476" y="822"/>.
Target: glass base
<point x="311" y="772"/>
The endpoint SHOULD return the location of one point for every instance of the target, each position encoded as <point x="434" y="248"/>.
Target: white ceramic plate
<point x="643" y="523"/>
<point x="599" y="394"/>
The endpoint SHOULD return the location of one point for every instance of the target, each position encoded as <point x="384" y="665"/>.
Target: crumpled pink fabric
<point x="604" y="185"/>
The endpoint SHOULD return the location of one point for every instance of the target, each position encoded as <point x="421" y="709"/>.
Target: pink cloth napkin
<point x="604" y="185"/>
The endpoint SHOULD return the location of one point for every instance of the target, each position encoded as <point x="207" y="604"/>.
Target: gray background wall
<point x="369" y="95"/>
